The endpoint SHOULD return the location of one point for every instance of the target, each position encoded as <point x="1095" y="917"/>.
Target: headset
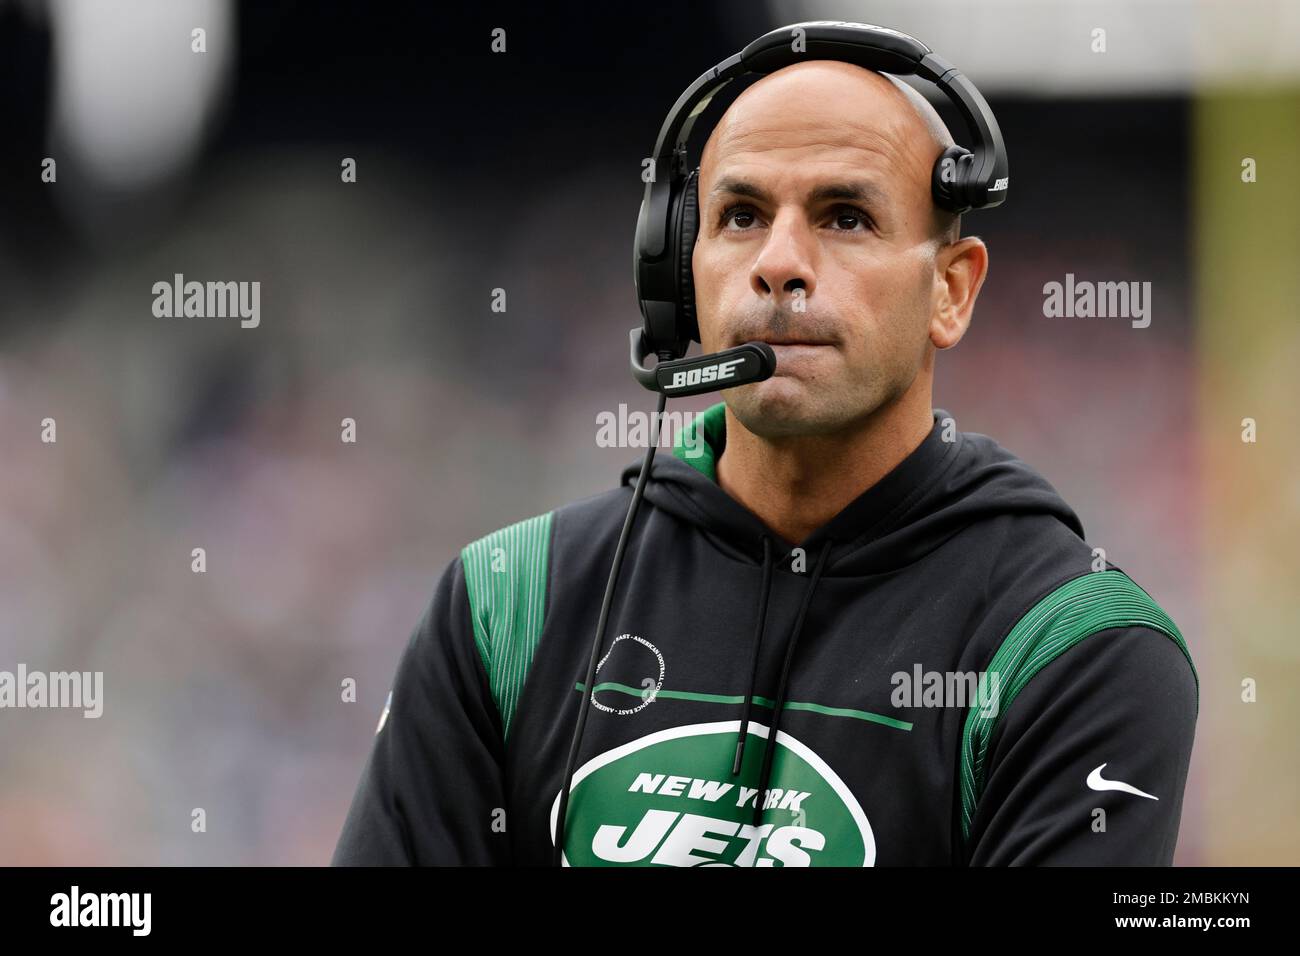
<point x="667" y="224"/>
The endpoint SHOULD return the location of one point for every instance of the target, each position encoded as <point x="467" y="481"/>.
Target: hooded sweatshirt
<point x="943" y="674"/>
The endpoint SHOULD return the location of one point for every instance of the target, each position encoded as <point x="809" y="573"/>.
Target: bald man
<point x="846" y="634"/>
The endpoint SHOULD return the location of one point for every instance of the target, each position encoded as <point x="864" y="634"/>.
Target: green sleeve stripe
<point x="1084" y="606"/>
<point x="505" y="575"/>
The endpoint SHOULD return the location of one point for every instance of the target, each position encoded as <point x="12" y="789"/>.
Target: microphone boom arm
<point x="751" y="362"/>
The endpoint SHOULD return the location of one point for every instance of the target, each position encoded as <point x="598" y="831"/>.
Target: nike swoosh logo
<point x="1097" y="782"/>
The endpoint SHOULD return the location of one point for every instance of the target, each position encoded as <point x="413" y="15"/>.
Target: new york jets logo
<point x="669" y="799"/>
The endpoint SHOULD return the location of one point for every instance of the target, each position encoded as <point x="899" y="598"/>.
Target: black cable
<point x="585" y="706"/>
<point x="764" y="587"/>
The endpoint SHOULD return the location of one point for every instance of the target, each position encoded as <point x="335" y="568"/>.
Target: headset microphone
<point x="751" y="362"/>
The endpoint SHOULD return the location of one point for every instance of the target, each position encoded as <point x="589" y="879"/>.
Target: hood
<point x="951" y="480"/>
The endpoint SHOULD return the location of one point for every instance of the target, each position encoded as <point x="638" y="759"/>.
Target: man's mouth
<point x="777" y="341"/>
<point x="795" y="356"/>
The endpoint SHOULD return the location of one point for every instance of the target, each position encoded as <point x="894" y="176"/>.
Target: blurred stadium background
<point x="521" y="171"/>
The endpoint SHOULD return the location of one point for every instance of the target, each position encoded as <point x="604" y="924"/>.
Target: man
<point x="951" y="678"/>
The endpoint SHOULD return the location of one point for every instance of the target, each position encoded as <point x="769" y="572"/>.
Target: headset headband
<point x="863" y="44"/>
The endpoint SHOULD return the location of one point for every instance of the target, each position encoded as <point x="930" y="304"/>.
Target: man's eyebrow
<point x="864" y="192"/>
<point x="740" y="187"/>
<point x="858" y="191"/>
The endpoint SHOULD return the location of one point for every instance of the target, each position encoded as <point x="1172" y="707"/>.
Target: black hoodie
<point x="954" y="678"/>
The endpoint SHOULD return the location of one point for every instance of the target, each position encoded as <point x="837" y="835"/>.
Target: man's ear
<point x="960" y="268"/>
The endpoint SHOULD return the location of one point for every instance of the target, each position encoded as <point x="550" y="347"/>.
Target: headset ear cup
<point x="688" y="227"/>
<point x="949" y="179"/>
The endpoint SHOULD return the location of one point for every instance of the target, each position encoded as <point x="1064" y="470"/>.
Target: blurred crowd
<point x="225" y="689"/>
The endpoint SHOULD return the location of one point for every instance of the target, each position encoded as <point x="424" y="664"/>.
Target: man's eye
<point x="742" y="216"/>
<point x="847" y="219"/>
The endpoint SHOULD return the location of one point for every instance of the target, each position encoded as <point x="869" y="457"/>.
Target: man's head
<point x="817" y="225"/>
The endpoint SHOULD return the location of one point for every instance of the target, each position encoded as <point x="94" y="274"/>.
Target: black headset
<point x="668" y="222"/>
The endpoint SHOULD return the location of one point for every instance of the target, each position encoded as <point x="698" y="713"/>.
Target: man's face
<point x="815" y="236"/>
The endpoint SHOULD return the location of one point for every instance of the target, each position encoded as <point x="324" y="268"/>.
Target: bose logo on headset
<point x="708" y="373"/>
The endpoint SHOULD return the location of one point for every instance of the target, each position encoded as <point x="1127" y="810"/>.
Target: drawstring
<point x="753" y="663"/>
<point x="769" y="748"/>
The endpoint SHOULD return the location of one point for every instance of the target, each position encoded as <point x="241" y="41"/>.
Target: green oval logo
<point x="669" y="799"/>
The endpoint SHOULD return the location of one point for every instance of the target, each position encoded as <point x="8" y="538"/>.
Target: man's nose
<point x="784" y="264"/>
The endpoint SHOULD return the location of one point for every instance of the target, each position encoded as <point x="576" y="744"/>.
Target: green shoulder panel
<point x="1081" y="607"/>
<point x="505" y="575"/>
